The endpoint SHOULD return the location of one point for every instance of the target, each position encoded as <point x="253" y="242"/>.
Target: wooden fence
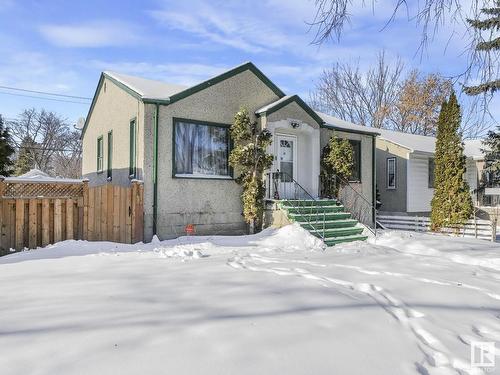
<point x="482" y="229"/>
<point x="34" y="214"/>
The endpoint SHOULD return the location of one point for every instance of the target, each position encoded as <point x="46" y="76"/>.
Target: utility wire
<point x="44" y="148"/>
<point x="45" y="92"/>
<point x="40" y="97"/>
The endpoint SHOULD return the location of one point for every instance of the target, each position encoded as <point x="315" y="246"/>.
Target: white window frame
<point x="392" y="159"/>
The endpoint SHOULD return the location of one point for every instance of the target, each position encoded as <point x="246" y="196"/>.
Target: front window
<point x="201" y="150"/>
<point x="391" y="173"/>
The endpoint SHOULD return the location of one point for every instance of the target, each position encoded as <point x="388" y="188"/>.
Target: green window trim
<point x="110" y="156"/>
<point x="356" y="146"/>
<point x="100" y="161"/>
<point x="229" y="176"/>
<point x="132" y="148"/>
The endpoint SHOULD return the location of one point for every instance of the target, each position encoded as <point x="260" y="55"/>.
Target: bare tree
<point x="430" y="16"/>
<point x="68" y="162"/>
<point x="362" y="98"/>
<point x="419" y="101"/>
<point x="50" y="136"/>
<point x="388" y="97"/>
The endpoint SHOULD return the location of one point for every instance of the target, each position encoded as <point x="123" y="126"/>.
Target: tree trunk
<point x="251" y="227"/>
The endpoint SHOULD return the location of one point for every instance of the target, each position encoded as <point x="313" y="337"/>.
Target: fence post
<point x="2" y="214"/>
<point x="135" y="189"/>
<point x="494" y="229"/>
<point x="475" y="226"/>
<point x="85" y="233"/>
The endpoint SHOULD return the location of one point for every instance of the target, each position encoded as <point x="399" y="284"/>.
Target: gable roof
<point x="342" y="125"/>
<point x="145" y="88"/>
<point x="284" y="101"/>
<point x="427" y="144"/>
<point x="159" y="92"/>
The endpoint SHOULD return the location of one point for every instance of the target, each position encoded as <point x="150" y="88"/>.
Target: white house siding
<point x="419" y="195"/>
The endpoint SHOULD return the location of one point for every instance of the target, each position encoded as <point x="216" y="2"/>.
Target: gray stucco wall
<point x="213" y="206"/>
<point x="113" y="110"/>
<point x="365" y="185"/>
<point x="393" y="200"/>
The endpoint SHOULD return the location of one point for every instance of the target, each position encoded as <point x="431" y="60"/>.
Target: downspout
<point x="374" y="182"/>
<point x="155" y="168"/>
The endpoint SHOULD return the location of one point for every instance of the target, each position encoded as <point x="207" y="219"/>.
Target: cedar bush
<point x="452" y="202"/>
<point x="250" y="159"/>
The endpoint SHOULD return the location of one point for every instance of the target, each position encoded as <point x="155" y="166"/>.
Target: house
<point x="405" y="172"/>
<point x="176" y="139"/>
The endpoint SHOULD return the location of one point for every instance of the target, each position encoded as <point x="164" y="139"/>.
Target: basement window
<point x="201" y="149"/>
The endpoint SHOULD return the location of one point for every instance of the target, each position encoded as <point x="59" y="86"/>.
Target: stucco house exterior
<point x="405" y="172"/>
<point x="176" y="140"/>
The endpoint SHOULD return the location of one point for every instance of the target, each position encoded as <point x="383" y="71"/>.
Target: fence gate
<point x="34" y="214"/>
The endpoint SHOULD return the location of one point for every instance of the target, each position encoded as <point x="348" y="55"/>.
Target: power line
<point x="44" y="92"/>
<point x="45" y="148"/>
<point x="40" y="97"/>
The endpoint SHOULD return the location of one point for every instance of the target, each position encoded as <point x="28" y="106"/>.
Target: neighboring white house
<point x="405" y="171"/>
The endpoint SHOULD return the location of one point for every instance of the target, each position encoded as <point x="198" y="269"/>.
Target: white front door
<point x="287" y="163"/>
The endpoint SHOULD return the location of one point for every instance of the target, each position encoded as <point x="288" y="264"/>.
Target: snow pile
<point x="459" y="250"/>
<point x="270" y="303"/>
<point x="189" y="251"/>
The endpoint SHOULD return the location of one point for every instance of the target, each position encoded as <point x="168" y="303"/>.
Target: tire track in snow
<point x="437" y="357"/>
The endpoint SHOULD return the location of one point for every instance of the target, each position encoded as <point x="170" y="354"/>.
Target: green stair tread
<point x="341" y="223"/>
<point x="328" y="216"/>
<point x="309" y="202"/>
<point x="343" y="239"/>
<point x="325" y="219"/>
<point x="315" y="210"/>
<point x="336" y="232"/>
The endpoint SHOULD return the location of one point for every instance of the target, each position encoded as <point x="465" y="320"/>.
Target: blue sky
<point x="62" y="46"/>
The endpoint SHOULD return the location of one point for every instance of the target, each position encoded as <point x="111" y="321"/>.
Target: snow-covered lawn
<point x="273" y="303"/>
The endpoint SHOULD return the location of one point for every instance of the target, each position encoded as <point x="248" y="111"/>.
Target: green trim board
<point x="175" y="120"/>
<point x="353" y="131"/>
<point x="155" y="167"/>
<point x="132" y="147"/>
<point x="109" y="162"/>
<point x="294" y="98"/>
<point x="92" y="105"/>
<point x="374" y="182"/>
<point x="99" y="154"/>
<point x="222" y="77"/>
<point x="187" y="92"/>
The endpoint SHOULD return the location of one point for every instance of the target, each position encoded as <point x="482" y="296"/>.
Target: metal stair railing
<point x="276" y="180"/>
<point x="337" y="180"/>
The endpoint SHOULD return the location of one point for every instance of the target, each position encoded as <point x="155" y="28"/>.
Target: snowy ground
<point x="273" y="303"/>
